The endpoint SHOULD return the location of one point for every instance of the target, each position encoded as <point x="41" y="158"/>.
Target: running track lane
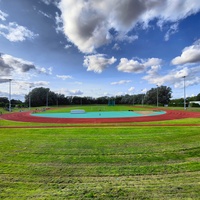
<point x="170" y="115"/>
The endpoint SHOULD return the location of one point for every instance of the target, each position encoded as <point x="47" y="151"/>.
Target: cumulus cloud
<point x="137" y="66"/>
<point x="174" y="77"/>
<point x="121" y="82"/>
<point x="64" y="77"/>
<point x="10" y="65"/>
<point x="190" y="54"/>
<point x="88" y="23"/>
<point x="97" y="62"/>
<point x="16" y="33"/>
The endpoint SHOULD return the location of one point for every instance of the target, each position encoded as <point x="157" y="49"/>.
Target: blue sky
<point x="97" y="48"/>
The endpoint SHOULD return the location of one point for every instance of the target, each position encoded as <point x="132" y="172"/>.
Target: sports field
<point x="100" y="161"/>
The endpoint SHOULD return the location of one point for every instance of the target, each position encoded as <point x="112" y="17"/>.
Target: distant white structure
<point x="197" y="102"/>
<point x="77" y="111"/>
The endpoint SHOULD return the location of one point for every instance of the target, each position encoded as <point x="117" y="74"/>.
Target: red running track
<point x="170" y="115"/>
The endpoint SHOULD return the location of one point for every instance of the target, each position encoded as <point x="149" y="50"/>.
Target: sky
<point x="99" y="48"/>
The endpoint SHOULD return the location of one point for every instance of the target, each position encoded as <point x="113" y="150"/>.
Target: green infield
<point x="100" y="163"/>
<point x="96" y="108"/>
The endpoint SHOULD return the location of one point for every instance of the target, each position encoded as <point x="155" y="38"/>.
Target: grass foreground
<point x="100" y="163"/>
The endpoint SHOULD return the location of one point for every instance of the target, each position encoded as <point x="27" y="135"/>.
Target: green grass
<point x="100" y="163"/>
<point x="93" y="108"/>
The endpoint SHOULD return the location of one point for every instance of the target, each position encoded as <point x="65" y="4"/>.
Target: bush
<point x="194" y="105"/>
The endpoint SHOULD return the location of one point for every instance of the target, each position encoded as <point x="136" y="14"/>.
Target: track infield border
<point x="169" y="115"/>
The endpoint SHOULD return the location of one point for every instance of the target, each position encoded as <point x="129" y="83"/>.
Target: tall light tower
<point x="29" y="98"/>
<point x="184" y="92"/>
<point x="10" y="95"/>
<point x="142" y="98"/>
<point x="47" y="99"/>
<point x="157" y="95"/>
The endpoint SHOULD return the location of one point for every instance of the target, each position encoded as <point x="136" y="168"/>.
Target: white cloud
<point x="45" y="14"/>
<point x="3" y="15"/>
<point x="173" y="29"/>
<point x="64" y="77"/>
<point x="47" y="2"/>
<point x="97" y="62"/>
<point x="174" y="77"/>
<point x="24" y="85"/>
<point x="39" y="84"/>
<point x="116" y="47"/>
<point x="16" y="33"/>
<point x="144" y="90"/>
<point x="67" y="46"/>
<point x="87" y="24"/>
<point x="131" y="89"/>
<point x="72" y="92"/>
<point x="152" y="62"/>
<point x="17" y="67"/>
<point x="121" y="82"/>
<point x="59" y="23"/>
<point x="75" y="92"/>
<point x="189" y="54"/>
<point x="20" y="88"/>
<point x="137" y="66"/>
<point x="42" y="70"/>
<point x="124" y="37"/>
<point x="129" y="66"/>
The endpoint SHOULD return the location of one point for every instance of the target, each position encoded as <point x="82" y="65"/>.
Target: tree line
<point x="45" y="97"/>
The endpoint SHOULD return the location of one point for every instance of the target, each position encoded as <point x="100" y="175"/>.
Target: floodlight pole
<point x="184" y="93"/>
<point x="142" y="99"/>
<point x="157" y="95"/>
<point x="29" y="98"/>
<point x="47" y="100"/>
<point x="10" y="95"/>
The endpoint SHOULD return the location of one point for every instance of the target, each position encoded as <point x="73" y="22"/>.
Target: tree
<point x="102" y="100"/>
<point x="16" y="103"/>
<point x="163" y="92"/>
<point x="61" y="99"/>
<point x="198" y="97"/>
<point x="3" y="101"/>
<point x="38" y="97"/>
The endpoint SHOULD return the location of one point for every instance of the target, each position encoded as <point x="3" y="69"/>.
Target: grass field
<point x="99" y="162"/>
